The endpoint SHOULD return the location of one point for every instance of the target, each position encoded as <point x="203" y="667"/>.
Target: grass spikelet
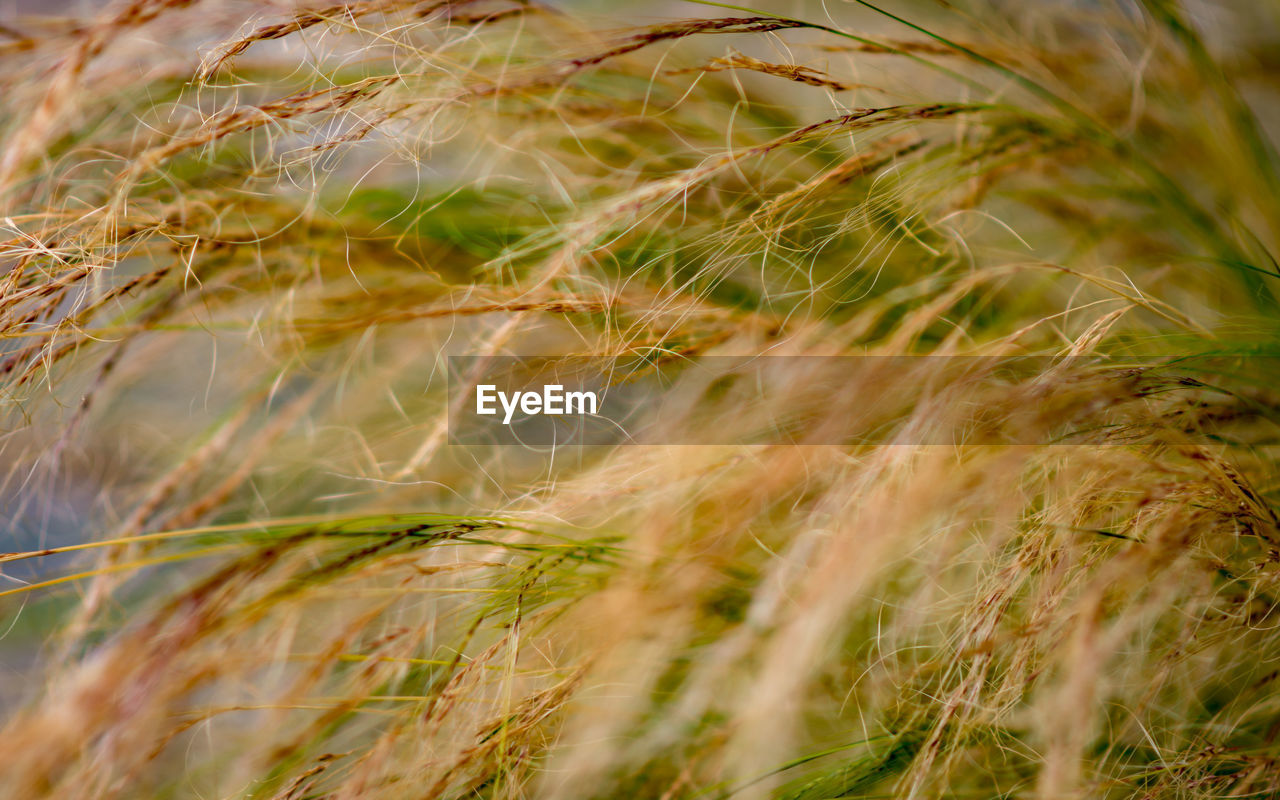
<point x="792" y="72"/>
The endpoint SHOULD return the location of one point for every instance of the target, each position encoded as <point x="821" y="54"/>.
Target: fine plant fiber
<point x="241" y="558"/>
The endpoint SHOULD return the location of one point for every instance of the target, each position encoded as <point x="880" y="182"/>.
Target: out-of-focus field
<point x="242" y="557"/>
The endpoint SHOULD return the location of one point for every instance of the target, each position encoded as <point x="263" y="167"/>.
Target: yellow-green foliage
<point x="238" y="241"/>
